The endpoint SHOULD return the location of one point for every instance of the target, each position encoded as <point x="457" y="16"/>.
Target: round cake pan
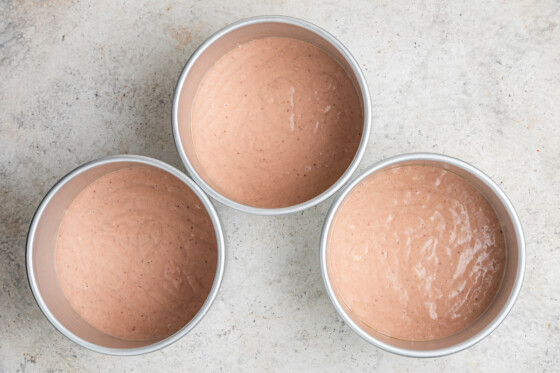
<point x="41" y="267"/>
<point x="507" y="293"/>
<point x="224" y="41"/>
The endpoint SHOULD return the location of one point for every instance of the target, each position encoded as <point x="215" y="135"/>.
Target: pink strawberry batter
<point x="136" y="254"/>
<point x="416" y="253"/>
<point x="275" y="122"/>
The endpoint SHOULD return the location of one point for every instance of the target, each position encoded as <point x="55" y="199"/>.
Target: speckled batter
<point x="275" y="122"/>
<point x="136" y="254"/>
<point x="416" y="253"/>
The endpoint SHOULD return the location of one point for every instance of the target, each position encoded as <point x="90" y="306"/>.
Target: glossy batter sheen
<point x="136" y="254"/>
<point x="416" y="253"/>
<point x="275" y="122"/>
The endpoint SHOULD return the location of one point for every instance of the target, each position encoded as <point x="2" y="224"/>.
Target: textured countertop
<point x="479" y="81"/>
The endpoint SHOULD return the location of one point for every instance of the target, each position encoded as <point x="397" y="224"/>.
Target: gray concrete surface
<point x="478" y="80"/>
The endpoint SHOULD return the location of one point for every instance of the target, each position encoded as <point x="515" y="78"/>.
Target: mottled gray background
<point x="478" y="80"/>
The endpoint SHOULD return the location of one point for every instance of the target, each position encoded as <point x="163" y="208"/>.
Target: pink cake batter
<point x="136" y="254"/>
<point x="416" y="253"/>
<point x="275" y="122"/>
